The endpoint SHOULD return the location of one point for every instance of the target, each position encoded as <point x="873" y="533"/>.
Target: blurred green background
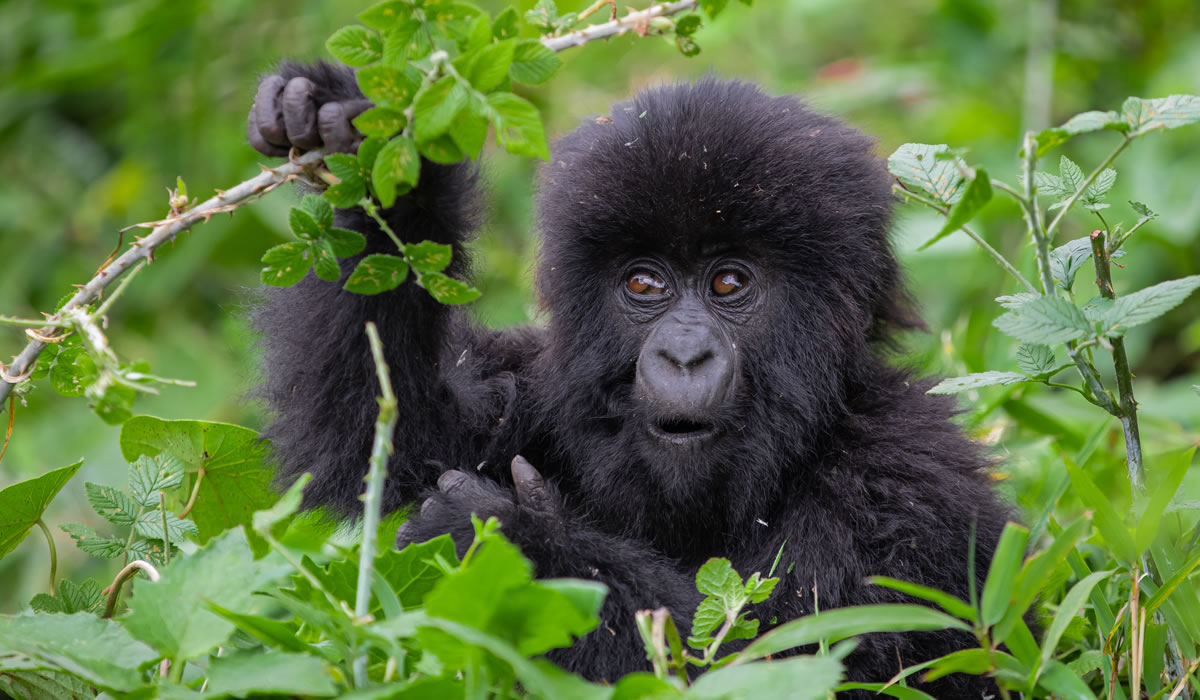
<point x="104" y="102"/>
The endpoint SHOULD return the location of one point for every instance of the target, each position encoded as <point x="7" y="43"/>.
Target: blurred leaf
<point x="1094" y="196"/>
<point x="518" y="126"/>
<point x="1002" y="574"/>
<point x="442" y="150"/>
<point x="397" y="164"/>
<point x="1044" y="320"/>
<point x="448" y="290"/>
<point x="687" y="46"/>
<point x="1147" y="304"/>
<point x="975" y="662"/>
<point x="381" y="122"/>
<point x="951" y="604"/>
<point x="286" y="264"/>
<point x="976" y="196"/>
<point x="268" y="630"/>
<point x="1034" y="576"/>
<point x="1168" y="112"/>
<point x="111" y="504"/>
<point x="43" y="685"/>
<point x="640" y="685"/>
<point x="1049" y="139"/>
<point x="428" y="256"/>
<point x="23" y="504"/>
<point x="386" y="15"/>
<point x="236" y="481"/>
<point x="491" y="65"/>
<point x="413" y="571"/>
<point x="1173" y="582"/>
<point x="469" y="132"/>
<point x="150" y="474"/>
<point x="100" y="652"/>
<point x="437" y="106"/>
<point x="840" y="623"/>
<point x="318" y="209"/>
<point x="917" y="165"/>
<point x="1175" y="468"/>
<point x="712" y="8"/>
<point x="244" y="673"/>
<point x="387" y="86"/>
<point x="955" y="385"/>
<point x="507" y="24"/>
<point x="893" y="691"/>
<point x="73" y="372"/>
<point x="377" y="273"/>
<point x="532" y="62"/>
<point x="1105" y="517"/>
<point x="269" y="520"/>
<point x="799" y="678"/>
<point x="1063" y="682"/>
<point x="355" y="45"/>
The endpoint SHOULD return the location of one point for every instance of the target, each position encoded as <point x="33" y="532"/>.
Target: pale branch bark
<point x="143" y="249"/>
<point x="634" y="21"/>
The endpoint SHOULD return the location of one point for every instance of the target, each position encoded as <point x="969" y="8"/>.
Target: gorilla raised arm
<point x="721" y="293"/>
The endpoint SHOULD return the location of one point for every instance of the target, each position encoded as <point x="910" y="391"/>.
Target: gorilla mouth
<point x="681" y="431"/>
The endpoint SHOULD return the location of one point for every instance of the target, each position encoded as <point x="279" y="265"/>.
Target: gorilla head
<point x="718" y="260"/>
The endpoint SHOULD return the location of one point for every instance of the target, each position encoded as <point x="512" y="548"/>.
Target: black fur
<point x="829" y="452"/>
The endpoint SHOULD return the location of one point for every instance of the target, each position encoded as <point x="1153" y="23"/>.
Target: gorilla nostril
<point x="689" y="361"/>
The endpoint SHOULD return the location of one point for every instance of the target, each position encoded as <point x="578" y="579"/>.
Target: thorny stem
<point x="1127" y="411"/>
<point x="114" y="588"/>
<point x="996" y="255"/>
<point x="634" y="21"/>
<point x="53" y="552"/>
<point x="385" y="426"/>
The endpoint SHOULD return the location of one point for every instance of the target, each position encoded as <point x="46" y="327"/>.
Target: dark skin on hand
<point x="714" y="380"/>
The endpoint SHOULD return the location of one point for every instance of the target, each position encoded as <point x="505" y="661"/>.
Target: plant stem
<point x="1070" y="202"/>
<point x="1127" y="410"/>
<point x="195" y="492"/>
<point x="162" y="509"/>
<point x="385" y="426"/>
<point x="114" y="588"/>
<point x="630" y="22"/>
<point x="53" y="553"/>
<point x="996" y="255"/>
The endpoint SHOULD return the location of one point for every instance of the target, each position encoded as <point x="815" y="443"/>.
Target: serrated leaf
<point x="448" y="290"/>
<point x="918" y="165"/>
<point x="1036" y="360"/>
<point x="318" y="209"/>
<point x="286" y="264"/>
<point x="386" y="15"/>
<point x="491" y="64"/>
<point x="149" y="475"/>
<point x="377" y="273"/>
<point x="387" y="86"/>
<point x="23" y="503"/>
<point x="380" y="121"/>
<point x="83" y="597"/>
<point x="1147" y="304"/>
<point x="436" y="108"/>
<point x="90" y="543"/>
<point x="955" y="385"/>
<point x="236" y="481"/>
<point x="533" y="63"/>
<point x="100" y="652"/>
<point x="355" y="46"/>
<point x="303" y="224"/>
<point x="1013" y="301"/>
<point x="398" y="164"/>
<point x="519" y="127"/>
<point x="1168" y="112"/>
<point x="1067" y="259"/>
<point x="1050" y="139"/>
<point x="428" y="256"/>
<point x="111" y="504"/>
<point x="345" y="243"/>
<point x="1046" y="320"/>
<point x="974" y="198"/>
<point x="718" y="578"/>
<point x="1141" y="209"/>
<point x="708" y="617"/>
<point x="1103" y="183"/>
<point x="1071" y="174"/>
<point x="475" y="35"/>
<point x="150" y="524"/>
<point x="352" y="186"/>
<point x="73" y="371"/>
<point x="1050" y="185"/>
<point x="325" y="263"/>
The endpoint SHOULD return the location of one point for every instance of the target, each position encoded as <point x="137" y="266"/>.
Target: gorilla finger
<point x="300" y="113"/>
<point x="531" y="488"/>
<point x="451" y="480"/>
<point x="254" y="136"/>
<point x="335" y="127"/>
<point x="268" y="112"/>
<point x="428" y="505"/>
<point x="402" y="538"/>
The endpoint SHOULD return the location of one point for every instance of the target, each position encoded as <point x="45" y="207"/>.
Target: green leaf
<point x="951" y="604"/>
<point x="303" y="224"/>
<point x="798" y="678"/>
<point x="640" y="685"/>
<point x="955" y="385"/>
<point x="428" y="256"/>
<point x="149" y="475"/>
<point x="85" y="597"/>
<point x="1002" y="574"/>
<point x="24" y="503"/>
<point x="687" y="46"/>
<point x="518" y="126"/>
<point x="398" y="164"/>
<point x="265" y="521"/>
<point x="114" y="506"/>
<point x="1064" y="683"/>
<point x="1051" y="186"/>
<point x="244" y="673"/>
<point x="236" y="481"/>
<point x="1068" y="608"/>
<point x="533" y="63"/>
<point x="1105" y="517"/>
<point x="469" y="132"/>
<point x="1147" y="304"/>
<point x="442" y="150"/>
<point x="352" y="186"/>
<point x="1036" y="360"/>
<point x="286" y="264"/>
<point x="387" y="86"/>
<point x="1067" y="259"/>
<point x="893" y="691"/>
<point x="975" y="662"/>
<point x="712" y="8"/>
<point x="1101" y="185"/>
<point x="472" y="595"/>
<point x="1176" y="579"/>
<point x="507" y="24"/>
<point x="1045" y="320"/>
<point x="386" y="15"/>
<point x="355" y="46"/>
<point x="91" y="543"/>
<point x="73" y="372"/>
<point x="918" y="165"/>
<point x="491" y="64"/>
<point x="537" y="618"/>
<point x="687" y="25"/>
<point x="413" y="571"/>
<point x="269" y="631"/>
<point x="345" y="243"/>
<point x="1050" y="139"/>
<point x="325" y="263"/>
<point x="381" y="122"/>
<point x="978" y="193"/>
<point x="318" y="209"/>
<point x="436" y="108"/>
<point x="448" y="290"/>
<point x="150" y="524"/>
<point x="171" y="615"/>
<point x="1175" y="467"/>
<point x="98" y="651"/>
<point x="1071" y="174"/>
<point x="1169" y="112"/>
<point x="377" y="273"/>
<point x="840" y="623"/>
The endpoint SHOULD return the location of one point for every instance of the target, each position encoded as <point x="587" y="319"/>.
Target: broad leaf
<point x="712" y="8"/>
<point x="286" y="264"/>
<point x="386" y="15"/>
<point x="351" y="187"/>
<point x="1147" y="304"/>
<point x="533" y="63"/>
<point x="1037" y="361"/>
<point x="490" y="65"/>
<point x="380" y="121"/>
<point x="448" y="290"/>
<point x="376" y="274"/>
<point x="345" y="243"/>
<point x="1163" y="113"/>
<point x="98" y="651"/>
<point x="387" y="86"/>
<point x="245" y="673"/>
<point x="955" y="385"/>
<point x="1045" y="320"/>
<point x="436" y="108"/>
<point x="397" y="165"/>
<point x="303" y="224"/>
<point x="518" y="126"/>
<point x="428" y="256"/>
<point x="1050" y="139"/>
<point x="355" y="46"/>
<point x="23" y="504"/>
<point x="976" y="196"/>
<point x="918" y="165"/>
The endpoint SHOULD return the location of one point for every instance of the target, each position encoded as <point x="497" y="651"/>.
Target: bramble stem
<point x="114" y="589"/>
<point x="53" y="553"/>
<point x="385" y="426"/>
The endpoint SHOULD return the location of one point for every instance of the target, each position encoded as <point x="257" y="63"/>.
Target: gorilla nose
<point x="686" y="369"/>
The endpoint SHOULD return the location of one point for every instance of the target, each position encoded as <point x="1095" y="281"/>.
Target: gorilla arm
<point x="320" y="383"/>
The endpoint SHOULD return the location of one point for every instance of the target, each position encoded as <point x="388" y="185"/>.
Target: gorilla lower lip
<point x="681" y="431"/>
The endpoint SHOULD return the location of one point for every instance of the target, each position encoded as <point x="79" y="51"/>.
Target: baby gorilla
<point x="712" y="380"/>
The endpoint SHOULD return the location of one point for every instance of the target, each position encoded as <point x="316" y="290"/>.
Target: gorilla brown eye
<point x="645" y="283"/>
<point x="726" y="283"/>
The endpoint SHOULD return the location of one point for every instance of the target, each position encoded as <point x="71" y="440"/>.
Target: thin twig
<point x="53" y="552"/>
<point x="634" y="21"/>
<point x="385" y="426"/>
<point x="114" y="588"/>
<point x="195" y="492"/>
